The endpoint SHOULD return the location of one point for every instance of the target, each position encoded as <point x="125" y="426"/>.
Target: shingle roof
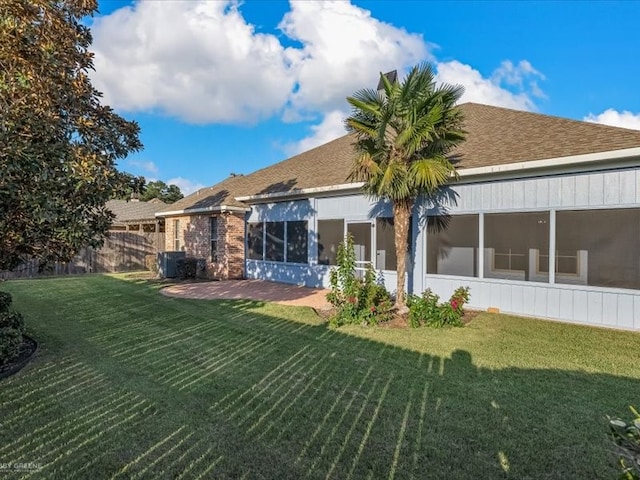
<point x="495" y="136"/>
<point x="131" y="210"/>
<point x="223" y="193"/>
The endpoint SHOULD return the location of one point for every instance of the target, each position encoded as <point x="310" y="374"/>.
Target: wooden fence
<point x="121" y="252"/>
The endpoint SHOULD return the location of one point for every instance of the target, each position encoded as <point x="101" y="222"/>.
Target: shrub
<point x="186" y="267"/>
<point x="626" y="437"/>
<point x="357" y="301"/>
<point x="12" y="320"/>
<point x="425" y="309"/>
<point x="151" y="262"/>
<point x="422" y="308"/>
<point x="11" y="330"/>
<point x="5" y="301"/>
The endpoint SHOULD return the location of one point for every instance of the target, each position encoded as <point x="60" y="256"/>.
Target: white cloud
<point x="515" y="74"/>
<point x="331" y="127"/>
<point x="343" y="49"/>
<point x="624" y="119"/>
<point x="145" y="166"/>
<point x="187" y="186"/>
<point x="200" y="61"/>
<point x="492" y="90"/>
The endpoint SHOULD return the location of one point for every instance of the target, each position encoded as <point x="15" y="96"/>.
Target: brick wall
<point x="195" y="240"/>
<point x="234" y="241"/>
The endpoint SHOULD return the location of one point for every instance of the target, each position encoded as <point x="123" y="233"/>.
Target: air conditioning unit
<point x="167" y="263"/>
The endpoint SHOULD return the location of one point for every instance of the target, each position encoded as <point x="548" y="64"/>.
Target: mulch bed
<point x="400" y="320"/>
<point x="28" y="349"/>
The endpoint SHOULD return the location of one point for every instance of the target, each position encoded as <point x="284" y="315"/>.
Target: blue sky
<point x="220" y="86"/>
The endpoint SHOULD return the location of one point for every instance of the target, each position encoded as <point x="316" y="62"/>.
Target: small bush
<point x="425" y="309"/>
<point x="357" y="301"/>
<point x="151" y="262"/>
<point x="422" y="308"/>
<point x="12" y="320"/>
<point x="626" y="437"/>
<point x="11" y="330"/>
<point x="5" y="301"/>
<point x="187" y="267"/>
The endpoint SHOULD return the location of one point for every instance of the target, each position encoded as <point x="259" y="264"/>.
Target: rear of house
<point x="544" y="220"/>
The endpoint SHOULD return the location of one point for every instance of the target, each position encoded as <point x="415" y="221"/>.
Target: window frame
<point x="287" y="250"/>
<point x="477" y="254"/>
<point x="262" y="233"/>
<point x="318" y="242"/>
<point x="213" y="237"/>
<point x="285" y="244"/>
<point x="176" y="235"/>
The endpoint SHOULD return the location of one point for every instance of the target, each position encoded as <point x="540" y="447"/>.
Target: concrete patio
<point x="259" y="290"/>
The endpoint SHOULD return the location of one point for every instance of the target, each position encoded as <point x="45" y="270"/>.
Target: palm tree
<point x="403" y="135"/>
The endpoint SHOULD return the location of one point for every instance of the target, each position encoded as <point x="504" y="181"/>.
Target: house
<point x="134" y="234"/>
<point x="544" y="220"/>
<point x="136" y="216"/>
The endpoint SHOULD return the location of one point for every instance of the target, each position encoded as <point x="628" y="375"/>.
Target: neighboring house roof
<point x="132" y="210"/>
<point x="495" y="136"/>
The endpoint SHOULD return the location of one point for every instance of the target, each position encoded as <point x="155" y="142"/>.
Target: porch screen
<point x="386" y="258"/>
<point x="598" y="247"/>
<point x="297" y="241"/>
<point x="254" y="241"/>
<point x="274" y="241"/>
<point x="516" y="246"/>
<point x="452" y="246"/>
<point x="330" y="234"/>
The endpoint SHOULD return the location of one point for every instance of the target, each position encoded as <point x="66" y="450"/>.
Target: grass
<point x="129" y="384"/>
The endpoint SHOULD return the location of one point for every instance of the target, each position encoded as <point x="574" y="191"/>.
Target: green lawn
<point x="130" y="384"/>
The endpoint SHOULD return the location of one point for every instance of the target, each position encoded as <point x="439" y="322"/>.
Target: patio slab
<point x="259" y="290"/>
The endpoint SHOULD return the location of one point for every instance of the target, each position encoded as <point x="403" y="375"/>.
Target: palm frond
<point x="360" y="127"/>
<point x="430" y="173"/>
<point x="404" y="134"/>
<point x="364" y="169"/>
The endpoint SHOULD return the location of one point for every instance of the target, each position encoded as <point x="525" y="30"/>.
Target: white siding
<point x="574" y="303"/>
<point x="352" y="207"/>
<point x="280" y="211"/>
<point x="566" y="302"/>
<point x="617" y="188"/>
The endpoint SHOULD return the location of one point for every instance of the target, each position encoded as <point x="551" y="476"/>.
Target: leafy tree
<point x="130" y="186"/>
<point x="162" y="191"/>
<point x="403" y="134"/>
<point x="58" y="144"/>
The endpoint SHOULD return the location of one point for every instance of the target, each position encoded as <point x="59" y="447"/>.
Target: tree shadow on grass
<point x="239" y="391"/>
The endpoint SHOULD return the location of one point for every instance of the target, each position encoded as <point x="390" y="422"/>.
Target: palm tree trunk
<point x="402" y="215"/>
